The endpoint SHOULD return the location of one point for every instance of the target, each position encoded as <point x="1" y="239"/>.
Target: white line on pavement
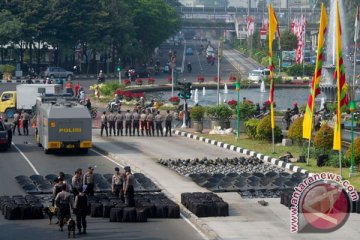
<point x="194" y="227"/>
<point x="181" y="215"/>
<point x="29" y="162"/>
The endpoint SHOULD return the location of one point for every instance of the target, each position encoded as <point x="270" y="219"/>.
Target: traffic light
<point x="181" y="87"/>
<point x="187" y="90"/>
<point x="118" y="68"/>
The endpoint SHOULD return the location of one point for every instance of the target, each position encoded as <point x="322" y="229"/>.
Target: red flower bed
<point x="174" y="99"/>
<point x="138" y="81"/>
<point x="127" y="82"/>
<point x="200" y="78"/>
<point x="151" y="81"/>
<point x="169" y="79"/>
<point x="232" y="79"/>
<point x="267" y="104"/>
<point x="232" y="103"/>
<point x="129" y="95"/>
<point x="216" y="79"/>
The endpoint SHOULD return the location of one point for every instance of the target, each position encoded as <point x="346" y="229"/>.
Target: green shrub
<point x="324" y="138"/>
<point x="309" y="70"/>
<point x="296" y="130"/>
<point x="264" y="131"/>
<point x="197" y="113"/>
<point x="295" y="70"/>
<point x="222" y="112"/>
<point x="356" y="151"/>
<point x="333" y="160"/>
<point x="246" y="110"/>
<point x="109" y="88"/>
<point x="7" y="68"/>
<point x="250" y="127"/>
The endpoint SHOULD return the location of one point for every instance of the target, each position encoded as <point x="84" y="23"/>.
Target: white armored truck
<point x="62" y="123"/>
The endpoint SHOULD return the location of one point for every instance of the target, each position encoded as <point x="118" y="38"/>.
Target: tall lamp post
<point x="352" y="110"/>
<point x="237" y="86"/>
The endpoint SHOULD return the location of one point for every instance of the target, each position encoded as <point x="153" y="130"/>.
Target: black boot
<point x="84" y="232"/>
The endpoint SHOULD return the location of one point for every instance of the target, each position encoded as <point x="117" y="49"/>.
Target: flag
<point x="250" y="25"/>
<point x="342" y="97"/>
<point x="357" y="19"/>
<point x="315" y="90"/>
<point x="273" y="27"/>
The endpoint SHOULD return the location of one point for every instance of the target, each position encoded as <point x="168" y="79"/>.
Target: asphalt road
<point x="13" y="163"/>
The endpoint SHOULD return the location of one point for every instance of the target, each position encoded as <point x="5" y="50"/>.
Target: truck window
<point x="6" y="96"/>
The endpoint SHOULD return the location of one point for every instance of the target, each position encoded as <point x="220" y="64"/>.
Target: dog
<point x="50" y="212"/>
<point x="71" y="227"/>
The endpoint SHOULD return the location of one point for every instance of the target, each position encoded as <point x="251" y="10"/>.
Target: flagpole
<point x="340" y="165"/>
<point x="354" y="73"/>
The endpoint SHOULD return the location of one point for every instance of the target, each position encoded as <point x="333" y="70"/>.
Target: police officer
<point x="143" y="123"/>
<point x="81" y="208"/>
<point x="16" y="123"/>
<point x="63" y="202"/>
<point x="76" y="183"/>
<point x="119" y="123"/>
<point x="25" y="123"/>
<point x="158" y="123"/>
<point x="111" y="119"/>
<point x="168" y="120"/>
<point x="136" y="119"/>
<point x="128" y="118"/>
<point x="89" y="181"/>
<point x="117" y="184"/>
<point x="150" y="124"/>
<point x="104" y="122"/>
<point x="129" y="187"/>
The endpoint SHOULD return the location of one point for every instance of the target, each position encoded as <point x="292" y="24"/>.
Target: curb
<point x="205" y="229"/>
<point x="264" y="158"/>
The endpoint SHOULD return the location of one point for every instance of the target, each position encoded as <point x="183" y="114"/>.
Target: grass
<point x="265" y="148"/>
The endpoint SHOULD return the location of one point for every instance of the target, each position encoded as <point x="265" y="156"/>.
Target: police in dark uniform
<point x="64" y="201"/>
<point x="128" y="118"/>
<point x="111" y="119"/>
<point x="119" y="123"/>
<point x="168" y="120"/>
<point x="158" y="123"/>
<point x="104" y="122"/>
<point x="136" y="119"/>
<point x="129" y="187"/>
<point x="81" y="209"/>
<point x="143" y="123"/>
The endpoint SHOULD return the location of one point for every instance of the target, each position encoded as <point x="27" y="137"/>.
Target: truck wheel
<point x="37" y="139"/>
<point x="46" y="151"/>
<point x="52" y="76"/>
<point x="84" y="151"/>
<point x="10" y="113"/>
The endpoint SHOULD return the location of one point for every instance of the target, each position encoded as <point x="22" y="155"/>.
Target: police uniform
<point x="81" y="209"/>
<point x="168" y="120"/>
<point x="104" y="122"/>
<point x="76" y="183"/>
<point x="63" y="202"/>
<point x="143" y="123"/>
<point x="136" y="119"/>
<point x="119" y="123"/>
<point x="117" y="184"/>
<point x="25" y="123"/>
<point x="128" y="118"/>
<point x="111" y="119"/>
<point x="158" y="124"/>
<point x="16" y="123"/>
<point x="89" y="183"/>
<point x="150" y="124"/>
<point x="129" y="188"/>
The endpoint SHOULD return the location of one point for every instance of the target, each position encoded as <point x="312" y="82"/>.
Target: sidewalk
<point x="247" y="220"/>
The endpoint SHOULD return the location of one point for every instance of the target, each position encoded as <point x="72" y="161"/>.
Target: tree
<point x="288" y="41"/>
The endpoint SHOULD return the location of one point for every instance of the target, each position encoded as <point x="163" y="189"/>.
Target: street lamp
<point x="352" y="106"/>
<point x="237" y="88"/>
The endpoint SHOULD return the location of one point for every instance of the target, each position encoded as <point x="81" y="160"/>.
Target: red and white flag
<point x="250" y="25"/>
<point x="357" y="23"/>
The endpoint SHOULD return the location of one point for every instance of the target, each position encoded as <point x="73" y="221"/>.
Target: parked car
<point x="189" y="51"/>
<point x="57" y="72"/>
<point x="5" y="135"/>
<point x="258" y="75"/>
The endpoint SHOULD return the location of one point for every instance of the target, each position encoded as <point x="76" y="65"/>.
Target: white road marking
<point x="203" y="236"/>
<point x="29" y="162"/>
<point x="194" y="227"/>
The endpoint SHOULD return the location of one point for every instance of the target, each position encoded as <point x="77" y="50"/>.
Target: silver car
<point x="57" y="72"/>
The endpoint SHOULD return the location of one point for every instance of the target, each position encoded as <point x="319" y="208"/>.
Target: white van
<point x="258" y="75"/>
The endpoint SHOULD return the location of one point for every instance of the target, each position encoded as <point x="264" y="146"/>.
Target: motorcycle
<point x="115" y="107"/>
<point x="101" y="80"/>
<point x="189" y="68"/>
<point x="93" y="112"/>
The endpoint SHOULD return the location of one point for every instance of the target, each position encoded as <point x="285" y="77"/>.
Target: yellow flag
<point x="273" y="24"/>
<point x="315" y="90"/>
